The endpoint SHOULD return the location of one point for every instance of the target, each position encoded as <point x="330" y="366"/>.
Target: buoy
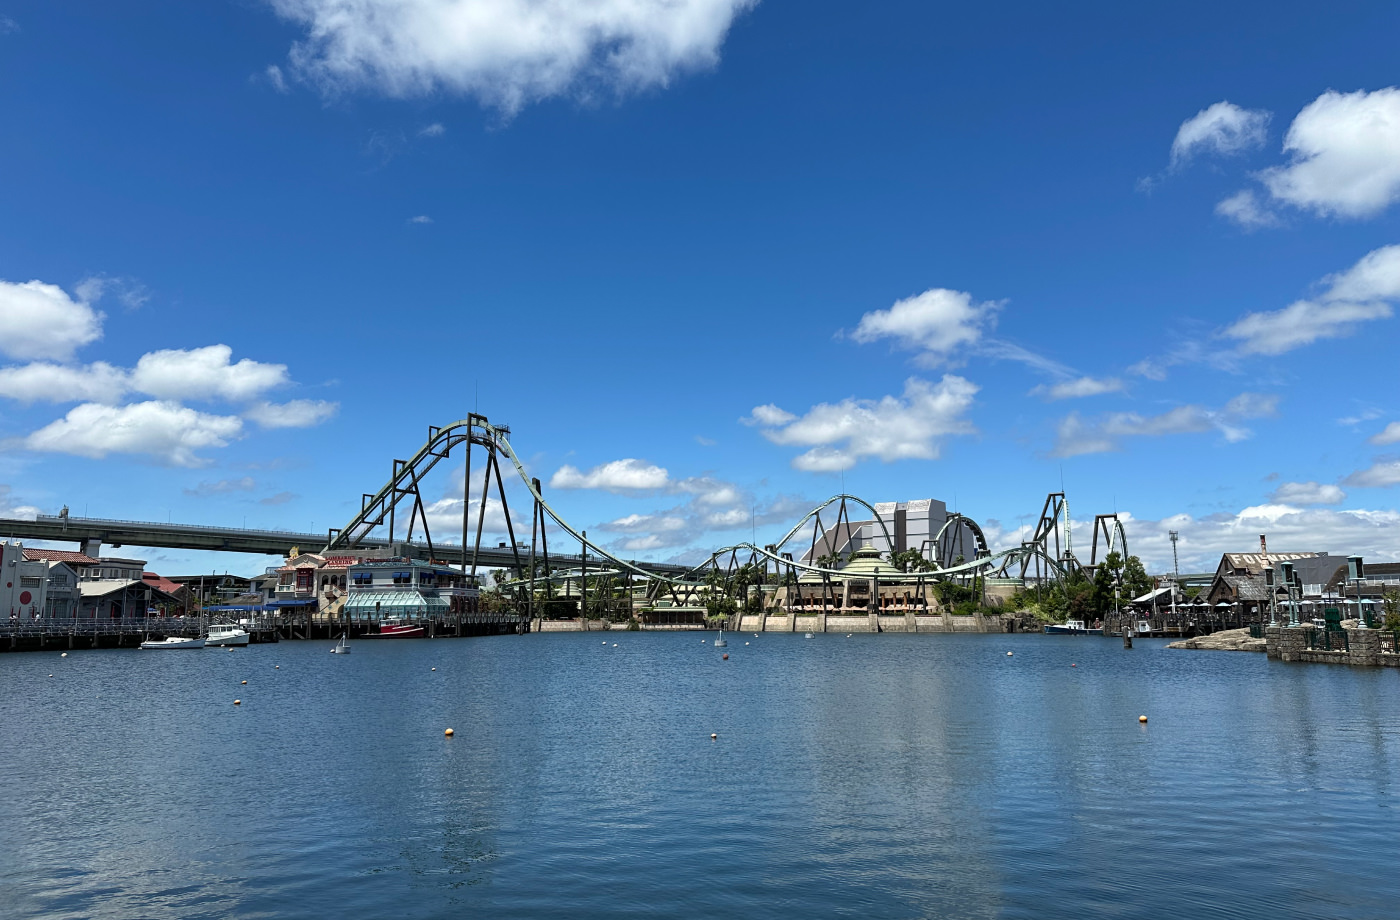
<point x="64" y="655"/>
<point x="746" y="643"/>
<point x="449" y="733"/>
<point x="276" y="667"/>
<point x="726" y="658"/>
<point x="614" y="645"/>
<point x="1142" y="718"/>
<point x="245" y="683"/>
<point x="434" y="669"/>
<point x="1074" y="666"/>
<point x="1009" y="654"/>
<point x="238" y="702"/>
<point x="714" y="737"/>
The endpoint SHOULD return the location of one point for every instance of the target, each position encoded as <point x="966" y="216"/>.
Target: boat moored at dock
<point x="174" y="642"/>
<point x="226" y="634"/>
<point x="1072" y="628"/>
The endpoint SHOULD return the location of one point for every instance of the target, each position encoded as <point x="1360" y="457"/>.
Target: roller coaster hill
<point x="898" y="560"/>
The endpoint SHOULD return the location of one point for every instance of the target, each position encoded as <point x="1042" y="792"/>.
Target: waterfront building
<point x="114" y="599"/>
<point x="409" y="588"/>
<point x="911" y="525"/>
<point x="115" y="568"/>
<point x="213" y="589"/>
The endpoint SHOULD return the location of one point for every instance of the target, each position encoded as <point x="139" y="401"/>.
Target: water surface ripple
<point x="876" y="776"/>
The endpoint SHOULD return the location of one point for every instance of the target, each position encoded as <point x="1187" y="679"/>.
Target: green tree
<point x="1136" y="581"/>
<point x="1390" y="603"/>
<point x="910" y="560"/>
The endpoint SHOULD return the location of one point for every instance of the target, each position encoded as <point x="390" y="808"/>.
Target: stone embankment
<point x="1229" y="640"/>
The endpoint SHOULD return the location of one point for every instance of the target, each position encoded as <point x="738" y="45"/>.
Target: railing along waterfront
<point x="1327" y="640"/>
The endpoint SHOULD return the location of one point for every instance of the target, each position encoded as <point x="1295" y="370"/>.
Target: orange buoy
<point x="726" y="656"/>
<point x="449" y="733"/>
<point x="1142" y="718"/>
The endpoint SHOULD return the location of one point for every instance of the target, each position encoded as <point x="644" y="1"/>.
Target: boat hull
<point x="231" y="640"/>
<point x="400" y="632"/>
<point x="1059" y="630"/>
<point x="175" y="644"/>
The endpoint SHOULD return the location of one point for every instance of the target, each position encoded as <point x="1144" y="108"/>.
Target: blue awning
<point x="300" y="603"/>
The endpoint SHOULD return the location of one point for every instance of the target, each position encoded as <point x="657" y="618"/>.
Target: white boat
<point x="341" y="648"/>
<point x="1072" y="628"/>
<point x="173" y="642"/>
<point x="720" y="643"/>
<point x="226" y="634"/>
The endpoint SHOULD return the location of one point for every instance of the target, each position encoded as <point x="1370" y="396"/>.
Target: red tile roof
<point x="59" y="555"/>
<point x="164" y="584"/>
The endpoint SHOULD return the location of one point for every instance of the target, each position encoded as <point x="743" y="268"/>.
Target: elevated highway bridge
<point x="91" y="533"/>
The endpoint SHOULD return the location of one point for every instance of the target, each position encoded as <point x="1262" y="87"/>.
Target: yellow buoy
<point x="238" y="702"/>
<point x="449" y="733"/>
<point x="1142" y="718"/>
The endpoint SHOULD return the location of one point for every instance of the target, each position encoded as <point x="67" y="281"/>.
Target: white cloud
<point x="223" y="487"/>
<point x="275" y="78"/>
<point x="1345" y="155"/>
<point x="165" y="430"/>
<point x="420" y="219"/>
<point x="1354" y="296"/>
<point x="1223" y="128"/>
<point x="1075" y="436"/>
<point x="40" y="321"/>
<point x="1383" y="473"/>
<point x="298" y="413"/>
<point x="1307" y="493"/>
<point x="131" y="293"/>
<point x="1078" y="388"/>
<point x="939" y="322"/>
<point x="44" y="382"/>
<point x="1390" y="434"/>
<point x="891" y="428"/>
<point x="767" y="414"/>
<point x="1289" y="529"/>
<point x="618" y="475"/>
<point x="203" y="373"/>
<point x="506" y="53"/>
<point x="1245" y="209"/>
<point x="433" y="130"/>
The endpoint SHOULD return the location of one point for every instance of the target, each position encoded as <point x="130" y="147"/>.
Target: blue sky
<point x="706" y="259"/>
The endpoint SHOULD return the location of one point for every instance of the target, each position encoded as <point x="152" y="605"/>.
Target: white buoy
<point x="614" y="645"/>
<point x="64" y="655"/>
<point x="1008" y="654"/>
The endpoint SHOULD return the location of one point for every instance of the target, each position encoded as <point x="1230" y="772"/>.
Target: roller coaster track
<point x="476" y="429"/>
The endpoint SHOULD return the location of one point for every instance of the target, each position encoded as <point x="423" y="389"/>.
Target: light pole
<point x="1356" y="571"/>
<point x="1288" y="585"/>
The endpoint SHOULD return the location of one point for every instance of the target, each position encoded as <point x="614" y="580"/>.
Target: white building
<point x="24" y="585"/>
<point x="911" y="525"/>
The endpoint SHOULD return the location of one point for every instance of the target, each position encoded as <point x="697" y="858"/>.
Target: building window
<point x="30" y="581"/>
<point x="363" y="579"/>
<point x="403" y="578"/>
<point x="427" y="578"/>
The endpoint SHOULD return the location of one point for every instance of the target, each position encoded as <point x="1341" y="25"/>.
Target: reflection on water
<point x="877" y="776"/>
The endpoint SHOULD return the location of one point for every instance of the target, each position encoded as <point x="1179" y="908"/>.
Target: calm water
<point x="877" y="776"/>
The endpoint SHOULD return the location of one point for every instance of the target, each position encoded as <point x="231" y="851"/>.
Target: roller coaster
<point x="959" y="552"/>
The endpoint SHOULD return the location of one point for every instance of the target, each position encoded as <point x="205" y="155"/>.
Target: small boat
<point x="1072" y="628"/>
<point x="341" y="648"/>
<point x="720" y="643"/>
<point x="174" y="642"/>
<point x="226" y="634"/>
<point x="396" y="628"/>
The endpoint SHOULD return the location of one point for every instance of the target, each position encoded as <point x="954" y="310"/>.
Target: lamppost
<point x="1356" y="571"/>
<point x="1288" y="584"/>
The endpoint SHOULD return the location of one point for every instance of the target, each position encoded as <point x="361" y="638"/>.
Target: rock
<point x="1229" y="640"/>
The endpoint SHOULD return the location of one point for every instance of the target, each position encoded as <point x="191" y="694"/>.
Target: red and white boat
<point x="396" y="628"/>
